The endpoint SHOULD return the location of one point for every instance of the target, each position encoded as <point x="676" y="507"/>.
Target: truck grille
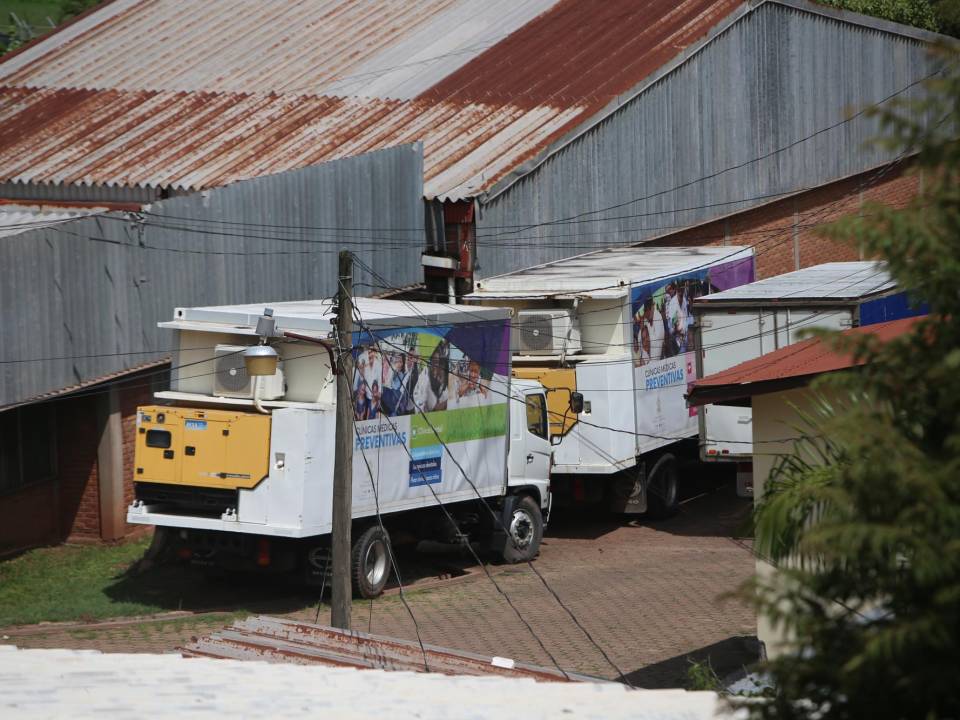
<point x="184" y="499"/>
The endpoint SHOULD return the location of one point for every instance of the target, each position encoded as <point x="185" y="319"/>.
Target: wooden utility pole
<point x="343" y="451"/>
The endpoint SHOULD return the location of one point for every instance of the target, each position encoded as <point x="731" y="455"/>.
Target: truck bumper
<point x="140" y="514"/>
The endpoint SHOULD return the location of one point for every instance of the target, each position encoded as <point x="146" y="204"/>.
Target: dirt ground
<point x="652" y="595"/>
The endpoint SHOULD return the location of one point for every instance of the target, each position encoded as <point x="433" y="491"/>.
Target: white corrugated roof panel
<point x="16" y="218"/>
<point x="830" y="281"/>
<point x="314" y="316"/>
<point x="604" y="273"/>
<point x="87" y="684"/>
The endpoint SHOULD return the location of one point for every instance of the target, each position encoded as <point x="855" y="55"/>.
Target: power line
<point x="738" y="166"/>
<point x="376" y="498"/>
<point x="499" y="521"/>
<point x="453" y="522"/>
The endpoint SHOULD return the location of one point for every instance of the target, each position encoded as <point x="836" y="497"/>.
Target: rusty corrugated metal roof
<point x="795" y="364"/>
<point x="190" y="94"/>
<point x="288" y="641"/>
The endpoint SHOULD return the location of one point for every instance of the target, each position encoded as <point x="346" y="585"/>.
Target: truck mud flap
<point x="498" y="538"/>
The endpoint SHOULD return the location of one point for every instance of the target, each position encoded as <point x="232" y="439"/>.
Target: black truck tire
<point x="370" y="562"/>
<point x="523" y="523"/>
<point x="663" y="488"/>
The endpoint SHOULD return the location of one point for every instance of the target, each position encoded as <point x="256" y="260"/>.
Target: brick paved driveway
<point x="650" y="594"/>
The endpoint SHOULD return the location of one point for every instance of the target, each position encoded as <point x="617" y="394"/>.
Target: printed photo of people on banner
<point x="662" y="318"/>
<point x="411" y="371"/>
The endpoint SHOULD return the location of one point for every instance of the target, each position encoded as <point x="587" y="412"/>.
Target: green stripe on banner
<point x="458" y="425"/>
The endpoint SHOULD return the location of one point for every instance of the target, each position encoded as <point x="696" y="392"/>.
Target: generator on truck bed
<point x="751" y="320"/>
<point x="614" y="326"/>
<point x="240" y="471"/>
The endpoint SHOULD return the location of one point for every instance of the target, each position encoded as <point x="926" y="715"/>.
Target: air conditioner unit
<point x="230" y="377"/>
<point x="545" y="332"/>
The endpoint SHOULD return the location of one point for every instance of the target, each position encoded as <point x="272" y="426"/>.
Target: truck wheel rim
<point x="375" y="562"/>
<point x="521" y="528"/>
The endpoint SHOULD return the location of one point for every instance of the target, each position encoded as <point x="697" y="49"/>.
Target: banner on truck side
<point x="421" y="394"/>
<point x="664" y="356"/>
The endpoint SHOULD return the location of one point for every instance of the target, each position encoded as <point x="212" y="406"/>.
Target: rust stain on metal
<point x="582" y="52"/>
<point x="342" y="79"/>
<point x="279" y="640"/>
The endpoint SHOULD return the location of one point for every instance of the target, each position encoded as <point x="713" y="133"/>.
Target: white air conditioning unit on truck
<point x="230" y="378"/>
<point x="545" y="332"/>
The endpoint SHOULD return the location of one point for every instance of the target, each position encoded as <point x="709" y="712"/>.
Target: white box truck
<point x="238" y="470"/>
<point x="750" y="320"/>
<point x="614" y="326"/>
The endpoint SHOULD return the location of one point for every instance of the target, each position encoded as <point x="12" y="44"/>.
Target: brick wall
<point x="787" y="234"/>
<point x="68" y="507"/>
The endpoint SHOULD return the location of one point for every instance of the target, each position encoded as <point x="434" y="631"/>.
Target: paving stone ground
<point x="650" y="594"/>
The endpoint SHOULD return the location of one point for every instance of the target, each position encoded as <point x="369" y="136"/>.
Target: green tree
<point x="919" y="13"/>
<point x="865" y="514"/>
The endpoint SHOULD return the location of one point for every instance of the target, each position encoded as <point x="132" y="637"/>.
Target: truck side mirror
<point x="576" y="403"/>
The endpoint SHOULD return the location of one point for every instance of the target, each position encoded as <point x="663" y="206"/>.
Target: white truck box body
<point x="633" y="400"/>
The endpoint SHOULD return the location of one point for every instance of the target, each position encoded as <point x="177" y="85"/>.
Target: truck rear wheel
<point x="370" y="562"/>
<point x="663" y="488"/>
<point x="524" y="530"/>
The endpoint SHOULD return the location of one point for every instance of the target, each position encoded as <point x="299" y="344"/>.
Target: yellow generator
<point x="199" y="458"/>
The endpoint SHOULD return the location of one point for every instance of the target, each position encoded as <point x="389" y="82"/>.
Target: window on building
<point x="26" y="446"/>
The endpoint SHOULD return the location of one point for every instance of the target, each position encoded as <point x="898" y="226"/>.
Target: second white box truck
<point x="615" y="326"/>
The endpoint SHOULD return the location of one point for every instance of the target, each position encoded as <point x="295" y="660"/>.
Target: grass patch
<point x="87" y="583"/>
<point x="68" y="583"/>
<point x="34" y="12"/>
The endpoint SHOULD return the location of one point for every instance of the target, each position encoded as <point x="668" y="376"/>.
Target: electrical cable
<point x="455" y="528"/>
<point x="497" y="521"/>
<point x="376" y="497"/>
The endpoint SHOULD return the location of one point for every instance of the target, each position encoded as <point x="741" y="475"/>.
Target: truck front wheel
<point x="524" y="530"/>
<point x="370" y="562"/>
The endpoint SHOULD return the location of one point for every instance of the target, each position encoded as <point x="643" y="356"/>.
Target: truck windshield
<point x="537" y="415"/>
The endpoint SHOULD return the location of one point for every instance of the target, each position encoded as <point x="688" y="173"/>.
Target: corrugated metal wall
<point x="98" y="286"/>
<point x="777" y="75"/>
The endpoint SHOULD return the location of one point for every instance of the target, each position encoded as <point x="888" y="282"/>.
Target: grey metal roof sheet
<point x="604" y="273"/>
<point x="829" y="281"/>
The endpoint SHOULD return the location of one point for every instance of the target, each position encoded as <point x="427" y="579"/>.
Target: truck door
<point x="536" y="437"/>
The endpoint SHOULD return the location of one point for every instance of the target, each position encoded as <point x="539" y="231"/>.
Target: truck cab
<point x="530" y="456"/>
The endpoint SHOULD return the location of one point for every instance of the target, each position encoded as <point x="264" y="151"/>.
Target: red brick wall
<point x="78" y="434"/>
<point x="28" y="518"/>
<point x="132" y="395"/>
<point x="69" y="506"/>
<point x="788" y="229"/>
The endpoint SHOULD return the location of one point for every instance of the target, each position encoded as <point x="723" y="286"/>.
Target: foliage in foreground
<point x="918" y="13"/>
<point x="867" y="510"/>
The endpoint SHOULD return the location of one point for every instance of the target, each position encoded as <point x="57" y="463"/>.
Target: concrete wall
<point x="775" y="429"/>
